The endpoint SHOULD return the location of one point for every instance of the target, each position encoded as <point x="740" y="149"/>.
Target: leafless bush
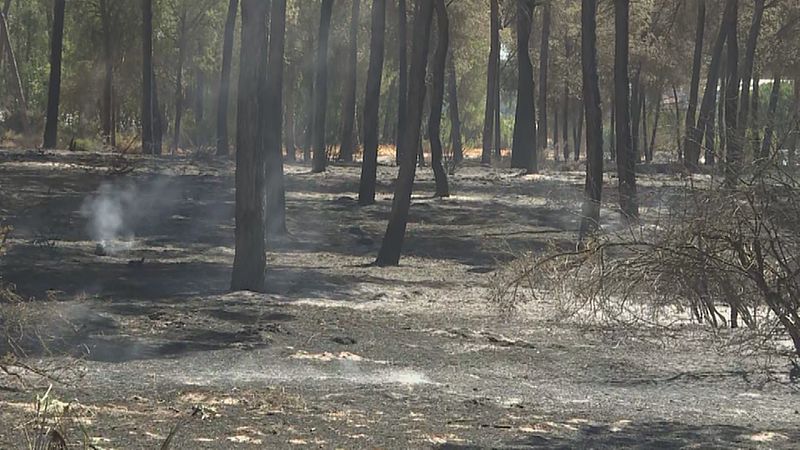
<point x="711" y="247"/>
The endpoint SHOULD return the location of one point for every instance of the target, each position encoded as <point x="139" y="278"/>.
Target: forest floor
<point x="338" y="354"/>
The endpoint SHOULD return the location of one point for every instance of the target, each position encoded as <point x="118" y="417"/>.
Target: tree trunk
<point x="656" y="118"/>
<point x="402" y="96"/>
<point x="565" y="124"/>
<point x="159" y="118"/>
<point x="225" y="80"/>
<point x="577" y="132"/>
<point x="22" y="103"/>
<point x="754" y="116"/>
<point x="491" y="83"/>
<point x="148" y="111"/>
<point x="613" y="144"/>
<point x="645" y="135"/>
<point x="182" y="36"/>
<point x="350" y="81"/>
<point x="626" y="161"/>
<point x="734" y="134"/>
<point x="54" y="86"/>
<point x="556" y="133"/>
<point x="455" y="119"/>
<point x="636" y="114"/>
<point x="107" y="109"/>
<point x="544" y="63"/>
<point x="769" y="131"/>
<point x="321" y="88"/>
<point x="590" y="220"/>
<point x="4" y="12"/>
<point x="369" y="166"/>
<point x="392" y="244"/>
<point x="678" y="135"/>
<point x="794" y="138"/>
<point x="747" y="69"/>
<point x="289" y="111"/>
<point x="692" y="131"/>
<point x="705" y="117"/>
<point x="250" y="260"/>
<point x="523" y="153"/>
<point x="272" y="120"/>
<point x="437" y="98"/>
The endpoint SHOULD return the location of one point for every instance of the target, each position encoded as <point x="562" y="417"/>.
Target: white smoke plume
<point x="115" y="211"/>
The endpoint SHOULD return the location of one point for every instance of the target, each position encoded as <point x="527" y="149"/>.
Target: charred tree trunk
<point x="590" y="220"/>
<point x="556" y="133"/>
<point x="636" y="114"/>
<point x="747" y="69"/>
<point x="491" y="83"/>
<point x="734" y="134"/>
<point x="54" y="86"/>
<point x="656" y="119"/>
<point x="544" y="67"/>
<point x="107" y="109"/>
<point x="755" y="121"/>
<point x="706" y="114"/>
<point x="250" y="260"/>
<point x="321" y="88"/>
<point x="693" y="133"/>
<point x="369" y="166"/>
<point x="613" y="144"/>
<point x="626" y="159"/>
<point x="402" y="96"/>
<point x="350" y="81"/>
<point x="392" y="244"/>
<point x="769" y="131"/>
<point x="577" y="132"/>
<point x="523" y="153"/>
<point x="289" y="112"/>
<point x="272" y="120"/>
<point x="182" y="35"/>
<point x="565" y="125"/>
<point x="225" y="80"/>
<point x="148" y="110"/>
<point x="437" y="98"/>
<point x="455" y="119"/>
<point x="678" y="135"/>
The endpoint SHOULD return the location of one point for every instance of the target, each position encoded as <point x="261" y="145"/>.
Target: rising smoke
<point x="116" y="211"/>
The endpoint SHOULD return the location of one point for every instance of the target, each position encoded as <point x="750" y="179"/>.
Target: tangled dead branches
<point x="712" y="248"/>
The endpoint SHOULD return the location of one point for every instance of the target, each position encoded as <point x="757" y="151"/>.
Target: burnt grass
<point x="338" y="354"/>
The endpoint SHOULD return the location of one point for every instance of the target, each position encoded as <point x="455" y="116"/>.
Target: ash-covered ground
<point x="129" y="262"/>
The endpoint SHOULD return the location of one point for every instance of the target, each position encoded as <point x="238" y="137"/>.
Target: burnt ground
<point x="337" y="354"/>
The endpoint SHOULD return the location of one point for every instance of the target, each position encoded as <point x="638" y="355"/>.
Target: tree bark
<point x="556" y="134"/>
<point x="565" y="125"/>
<point x="402" y="58"/>
<point x="523" y="153"/>
<point x="289" y="109"/>
<point x="455" y="119"/>
<point x="695" y="134"/>
<point x="590" y="220"/>
<point x="392" y="244"/>
<point x="369" y="166"/>
<point x="148" y="111"/>
<point x="626" y="162"/>
<point x="491" y="82"/>
<point x="225" y="80"/>
<point x="250" y="260"/>
<point x="544" y="68"/>
<point x="107" y="109"/>
<point x="747" y="68"/>
<point x="437" y="98"/>
<point x="182" y="36"/>
<point x="769" y="131"/>
<point x="22" y="103"/>
<point x="656" y="119"/>
<point x="321" y="88"/>
<point x="734" y="134"/>
<point x="577" y="132"/>
<point x="350" y="81"/>
<point x="692" y="131"/>
<point x="272" y="121"/>
<point x="54" y="86"/>
<point x="636" y="114"/>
